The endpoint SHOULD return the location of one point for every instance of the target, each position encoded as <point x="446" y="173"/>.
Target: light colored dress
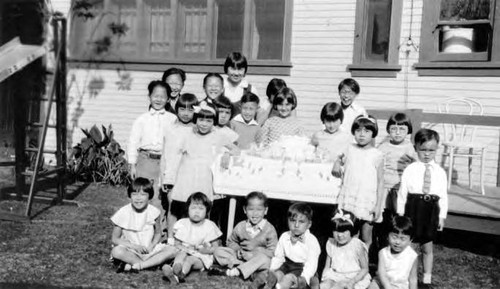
<point x="189" y="169"/>
<point x="394" y="163"/>
<point x="398" y="266"/>
<point x="345" y="262"/>
<point x="277" y="126"/>
<point x="334" y="144"/>
<point x="358" y="193"/>
<point x="138" y="228"/>
<point x="196" y="234"/>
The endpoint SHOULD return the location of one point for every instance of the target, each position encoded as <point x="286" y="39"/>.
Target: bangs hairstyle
<point x="153" y="84"/>
<point x="285" y="94"/>
<point x="401" y="119"/>
<point x="256" y="195"/>
<point x="275" y="85"/>
<point x="425" y="135"/>
<point x="186" y="100"/>
<point x="214" y="75"/>
<point x="300" y="208"/>
<point x="223" y="102"/>
<point x="173" y="71"/>
<point x="339" y="225"/>
<point x="365" y="122"/>
<point x="351" y="83"/>
<point x="205" y="113"/>
<point x="331" y="112"/>
<point x="249" y="97"/>
<point x="402" y="225"/>
<point x="139" y="184"/>
<point x="199" y="198"/>
<point x="236" y="60"/>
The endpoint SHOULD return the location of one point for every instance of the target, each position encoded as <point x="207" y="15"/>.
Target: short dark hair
<point x="256" y="195"/>
<point x="300" y="208"/>
<point x="153" y="84"/>
<point x="285" y="94"/>
<point x="186" y="100"/>
<point x="341" y="225"/>
<point x="143" y="184"/>
<point x="351" y="83"/>
<point x="275" y="85"/>
<point x="249" y="97"/>
<point x="402" y="225"/>
<point x="331" y="112"/>
<point x="212" y="74"/>
<point x="368" y="122"/>
<point x="424" y="135"/>
<point x="400" y="118"/>
<point x="205" y="113"/>
<point x="236" y="60"/>
<point x="199" y="197"/>
<point x="172" y="71"/>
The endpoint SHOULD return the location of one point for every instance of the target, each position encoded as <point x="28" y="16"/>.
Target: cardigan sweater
<point x="266" y="239"/>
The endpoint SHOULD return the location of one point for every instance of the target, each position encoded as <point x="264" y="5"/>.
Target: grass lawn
<point x="68" y="247"/>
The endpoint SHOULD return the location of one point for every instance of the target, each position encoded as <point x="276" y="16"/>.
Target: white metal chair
<point x="459" y="139"/>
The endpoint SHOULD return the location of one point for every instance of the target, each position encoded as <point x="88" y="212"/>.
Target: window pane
<point x="455" y="10"/>
<point x="125" y="14"/>
<point x="464" y="39"/>
<point x="378" y="30"/>
<point x="268" y="29"/>
<point x="87" y="27"/>
<point x="160" y="25"/>
<point x="195" y="23"/>
<point x="230" y="26"/>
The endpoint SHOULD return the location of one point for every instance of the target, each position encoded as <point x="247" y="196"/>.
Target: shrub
<point x="98" y="158"/>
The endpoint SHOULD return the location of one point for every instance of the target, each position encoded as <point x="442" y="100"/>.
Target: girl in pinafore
<point x="189" y="169"/>
<point x="362" y="177"/>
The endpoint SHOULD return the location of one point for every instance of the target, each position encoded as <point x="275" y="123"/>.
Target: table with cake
<point x="289" y="169"/>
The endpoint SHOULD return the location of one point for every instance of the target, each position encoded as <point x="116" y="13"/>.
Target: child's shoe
<point x="216" y="271"/>
<point x="259" y="280"/>
<point x="177" y="269"/>
<point x="168" y="273"/>
<point x="271" y="280"/>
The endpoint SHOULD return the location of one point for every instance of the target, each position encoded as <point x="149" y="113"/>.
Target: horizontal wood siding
<point x="322" y="45"/>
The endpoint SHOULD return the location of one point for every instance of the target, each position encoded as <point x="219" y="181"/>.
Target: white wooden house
<point x="397" y="50"/>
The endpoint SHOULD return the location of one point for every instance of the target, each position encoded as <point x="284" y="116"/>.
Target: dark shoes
<point x="425" y="286"/>
<point x="271" y="280"/>
<point x="259" y="280"/>
<point x="216" y="271"/>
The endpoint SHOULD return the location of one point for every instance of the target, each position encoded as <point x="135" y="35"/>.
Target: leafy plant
<point x="98" y="158"/>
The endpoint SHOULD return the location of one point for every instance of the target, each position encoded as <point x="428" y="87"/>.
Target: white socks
<point x="427" y="278"/>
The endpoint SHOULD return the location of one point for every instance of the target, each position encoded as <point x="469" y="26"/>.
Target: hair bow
<point x="344" y="217"/>
<point x="203" y="105"/>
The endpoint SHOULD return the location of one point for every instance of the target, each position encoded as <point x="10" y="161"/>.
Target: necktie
<point x="427" y="179"/>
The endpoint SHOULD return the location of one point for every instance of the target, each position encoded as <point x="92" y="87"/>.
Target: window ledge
<point x="270" y="67"/>
<point x="374" y="70"/>
<point x="458" y="68"/>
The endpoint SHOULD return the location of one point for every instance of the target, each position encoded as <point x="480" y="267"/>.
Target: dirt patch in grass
<point x="68" y="247"/>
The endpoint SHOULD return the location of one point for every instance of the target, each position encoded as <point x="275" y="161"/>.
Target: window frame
<point x="362" y="68"/>
<point x="211" y="64"/>
<point x="430" y="63"/>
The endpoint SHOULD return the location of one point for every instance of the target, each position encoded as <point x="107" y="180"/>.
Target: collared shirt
<point x="247" y="131"/>
<point x="306" y="252"/>
<point x="254" y="230"/>
<point x="412" y="182"/>
<point x="147" y="132"/>
<point x="350" y="114"/>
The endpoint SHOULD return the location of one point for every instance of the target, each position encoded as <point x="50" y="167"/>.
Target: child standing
<point x="423" y="196"/>
<point x="296" y="257"/>
<point x="236" y="85"/>
<point x="252" y="242"/>
<point x="145" y="143"/>
<point x="397" y="263"/>
<point x="284" y="124"/>
<point x="175" y="78"/>
<point x="348" y="91"/>
<point x="189" y="168"/>
<point x="244" y="124"/>
<point x="333" y="139"/>
<point x="347" y="261"/>
<point x="362" y="177"/>
<point x="196" y="238"/>
<point x="136" y="230"/>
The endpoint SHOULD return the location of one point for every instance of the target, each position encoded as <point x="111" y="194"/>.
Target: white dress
<point x="398" y="266"/>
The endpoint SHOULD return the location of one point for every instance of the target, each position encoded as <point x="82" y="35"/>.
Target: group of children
<point x="172" y="149"/>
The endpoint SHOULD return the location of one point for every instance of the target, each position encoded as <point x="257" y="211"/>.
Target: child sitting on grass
<point x="295" y="260"/>
<point x="252" y="243"/>
<point x="136" y="231"/>
<point x="398" y="262"/>
<point x="196" y="238"/>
